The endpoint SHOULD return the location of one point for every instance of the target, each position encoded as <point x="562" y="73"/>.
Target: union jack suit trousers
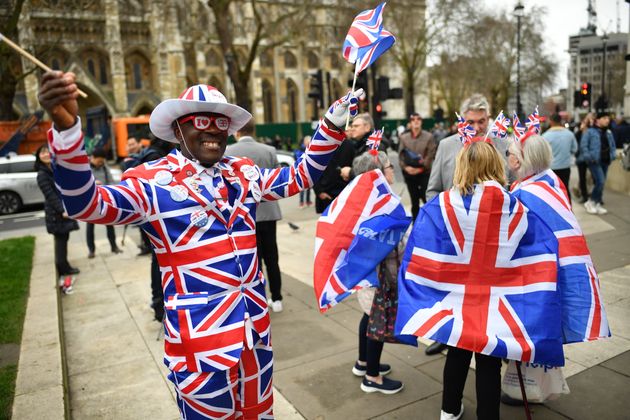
<point x="201" y="223"/>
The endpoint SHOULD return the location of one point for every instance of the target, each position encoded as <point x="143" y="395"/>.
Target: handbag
<point x="68" y="225"/>
<point x="542" y="383"/>
<point x="415" y="160"/>
<point x="384" y="307"/>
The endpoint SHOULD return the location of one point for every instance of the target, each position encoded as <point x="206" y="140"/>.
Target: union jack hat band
<point x="195" y="99"/>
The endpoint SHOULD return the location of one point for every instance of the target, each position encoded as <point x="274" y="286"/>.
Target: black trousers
<point x="417" y="187"/>
<point x="565" y="176"/>
<point x="111" y="235"/>
<point x="369" y="350"/>
<point x="61" y="253"/>
<point x="145" y="242"/>
<point x="268" y="253"/>
<point x="157" y="294"/>
<point x="488" y="383"/>
<point x="582" y="167"/>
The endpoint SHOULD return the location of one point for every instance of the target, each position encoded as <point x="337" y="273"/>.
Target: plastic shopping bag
<point x="542" y="383"/>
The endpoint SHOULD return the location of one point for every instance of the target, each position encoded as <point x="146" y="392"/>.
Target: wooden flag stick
<point x="32" y="58"/>
<point x="354" y="82"/>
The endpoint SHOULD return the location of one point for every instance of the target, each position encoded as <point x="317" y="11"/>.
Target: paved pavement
<point x="113" y="348"/>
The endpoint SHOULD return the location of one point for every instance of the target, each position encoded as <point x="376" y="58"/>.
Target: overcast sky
<point x="565" y="18"/>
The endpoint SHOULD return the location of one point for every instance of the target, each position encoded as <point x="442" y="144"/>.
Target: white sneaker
<point x="590" y="207"/>
<point x="599" y="209"/>
<point x="449" y="416"/>
<point x="276" y="306"/>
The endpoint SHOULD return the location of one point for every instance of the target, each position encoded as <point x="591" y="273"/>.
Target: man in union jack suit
<point x="198" y="208"/>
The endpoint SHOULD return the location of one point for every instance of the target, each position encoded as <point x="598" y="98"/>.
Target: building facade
<point x="598" y="61"/>
<point x="131" y="54"/>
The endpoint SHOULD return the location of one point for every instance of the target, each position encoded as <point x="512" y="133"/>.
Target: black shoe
<point x="116" y="250"/>
<point x="358" y="370"/>
<point x="144" y="251"/>
<point x="583" y="200"/>
<point x="73" y="270"/>
<point x="389" y="386"/>
<point x="435" y="348"/>
<point x="91" y="255"/>
<point x="507" y="400"/>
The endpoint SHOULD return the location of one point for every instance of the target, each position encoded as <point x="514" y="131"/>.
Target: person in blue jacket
<point x="597" y="150"/>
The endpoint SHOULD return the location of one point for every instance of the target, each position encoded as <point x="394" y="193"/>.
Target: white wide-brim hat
<point x="198" y="98"/>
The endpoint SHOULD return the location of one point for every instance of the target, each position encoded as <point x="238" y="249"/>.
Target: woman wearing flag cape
<point x="479" y="275"/>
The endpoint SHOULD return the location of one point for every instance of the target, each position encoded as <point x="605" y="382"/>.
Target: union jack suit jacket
<point x="204" y="237"/>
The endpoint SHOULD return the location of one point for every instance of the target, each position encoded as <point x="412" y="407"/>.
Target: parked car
<point x="18" y="183"/>
<point x="285" y="158"/>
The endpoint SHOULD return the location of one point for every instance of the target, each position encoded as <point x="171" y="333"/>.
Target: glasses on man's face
<point x="390" y="166"/>
<point x="203" y="122"/>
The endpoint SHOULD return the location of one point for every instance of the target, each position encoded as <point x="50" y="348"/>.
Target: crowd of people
<point x="208" y="215"/>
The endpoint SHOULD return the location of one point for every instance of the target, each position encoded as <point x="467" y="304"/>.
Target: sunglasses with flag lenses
<point x="203" y="122"/>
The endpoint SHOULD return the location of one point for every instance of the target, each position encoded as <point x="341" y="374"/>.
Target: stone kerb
<point x="39" y="388"/>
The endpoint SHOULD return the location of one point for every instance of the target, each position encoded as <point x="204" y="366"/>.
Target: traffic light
<point x="382" y="88"/>
<point x="317" y="87"/>
<point x="585" y="95"/>
<point x="378" y="112"/>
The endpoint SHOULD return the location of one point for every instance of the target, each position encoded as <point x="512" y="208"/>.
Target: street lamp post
<point x="518" y="12"/>
<point x="604" y="100"/>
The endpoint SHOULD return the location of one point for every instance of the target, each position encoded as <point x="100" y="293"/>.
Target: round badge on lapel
<point x="189" y="173"/>
<point x="163" y="178"/>
<point x="199" y="218"/>
<point x="256" y="193"/>
<point x="179" y="193"/>
<point x="249" y="172"/>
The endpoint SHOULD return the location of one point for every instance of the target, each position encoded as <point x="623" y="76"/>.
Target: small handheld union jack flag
<point x="533" y="121"/>
<point x="364" y="31"/>
<point x="500" y="126"/>
<point x="374" y="141"/>
<point x="466" y="131"/>
<point x="519" y="128"/>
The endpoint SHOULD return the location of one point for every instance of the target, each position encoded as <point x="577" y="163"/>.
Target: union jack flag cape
<point x="500" y="126"/>
<point x="353" y="235"/>
<point x="363" y="32"/>
<point x="479" y="273"/>
<point x="583" y="314"/>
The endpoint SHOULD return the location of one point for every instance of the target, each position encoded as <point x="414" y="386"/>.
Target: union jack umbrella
<point x="374" y="141"/>
<point x="364" y="31"/>
<point x="519" y="128"/>
<point x="500" y="126"/>
<point x="466" y="131"/>
<point x="533" y="121"/>
<point x="479" y="273"/>
<point x="583" y="314"/>
<point x="353" y="235"/>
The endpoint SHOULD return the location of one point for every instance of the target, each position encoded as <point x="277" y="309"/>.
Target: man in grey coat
<point x="267" y="214"/>
<point x="475" y="111"/>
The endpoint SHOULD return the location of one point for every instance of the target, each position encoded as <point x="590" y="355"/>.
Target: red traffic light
<point x="379" y="108"/>
<point x="584" y="86"/>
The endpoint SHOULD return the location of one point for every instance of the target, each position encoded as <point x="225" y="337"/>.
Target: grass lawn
<point x="16" y="262"/>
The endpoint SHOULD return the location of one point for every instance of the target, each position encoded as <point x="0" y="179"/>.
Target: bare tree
<point x="10" y="65"/>
<point x="271" y="24"/>
<point x="481" y="57"/>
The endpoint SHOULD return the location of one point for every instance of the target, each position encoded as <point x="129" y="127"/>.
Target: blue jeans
<point x="598" y="172"/>
<point x="305" y="196"/>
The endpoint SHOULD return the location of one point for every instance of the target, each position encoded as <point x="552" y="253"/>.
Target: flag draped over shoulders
<point x="583" y="314"/>
<point x="353" y="235"/>
<point x="479" y="273"/>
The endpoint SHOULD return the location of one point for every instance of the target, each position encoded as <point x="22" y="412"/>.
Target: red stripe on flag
<point x="431" y="322"/>
<point x="516" y="331"/>
<point x="452" y="218"/>
<point x="572" y="246"/>
<point x="597" y="311"/>
<point x="515" y="220"/>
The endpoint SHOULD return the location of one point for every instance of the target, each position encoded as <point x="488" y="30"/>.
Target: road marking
<point x="20" y="215"/>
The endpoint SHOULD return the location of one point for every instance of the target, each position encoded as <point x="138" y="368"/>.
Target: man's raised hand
<point x="338" y="112"/>
<point x="58" y="94"/>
